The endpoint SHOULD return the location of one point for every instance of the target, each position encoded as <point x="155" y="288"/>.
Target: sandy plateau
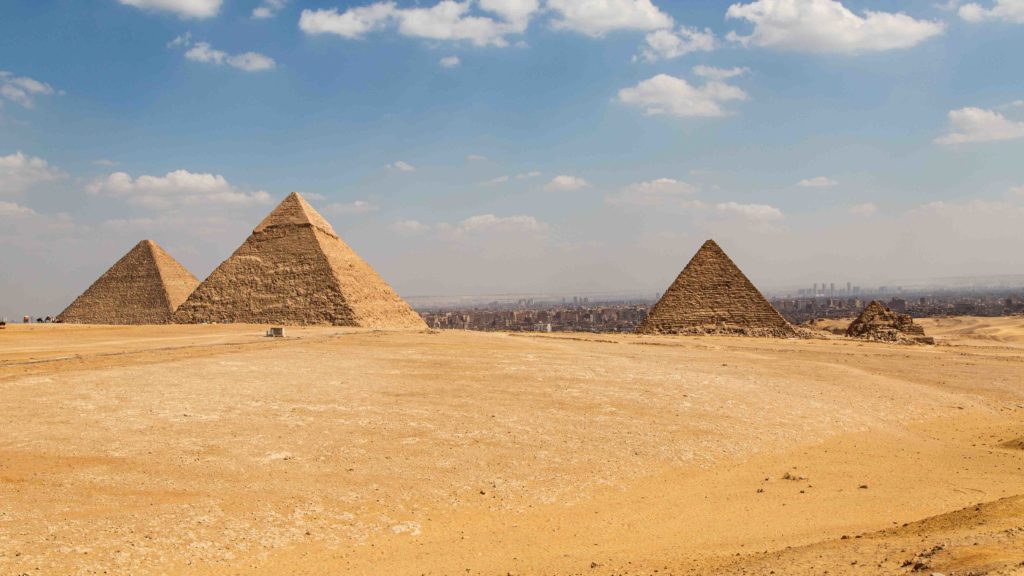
<point x="214" y="450"/>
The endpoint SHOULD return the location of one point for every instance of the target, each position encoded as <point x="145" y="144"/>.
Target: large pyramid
<point x="144" y="287"/>
<point x="293" y="269"/>
<point x="712" y="296"/>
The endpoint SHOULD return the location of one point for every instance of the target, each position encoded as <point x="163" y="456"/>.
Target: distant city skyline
<point x="516" y="146"/>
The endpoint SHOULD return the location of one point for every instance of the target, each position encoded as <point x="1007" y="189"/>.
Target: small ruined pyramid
<point x="144" y="287"/>
<point x="294" y="269"/>
<point x="712" y="296"/>
<point x="879" y="322"/>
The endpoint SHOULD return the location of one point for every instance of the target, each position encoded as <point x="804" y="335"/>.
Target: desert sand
<point x="214" y="450"/>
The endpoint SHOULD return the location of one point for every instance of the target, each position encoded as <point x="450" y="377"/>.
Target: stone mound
<point x="879" y="322"/>
<point x="712" y="296"/>
<point x="1016" y="443"/>
<point x="294" y="269"/>
<point x="144" y="287"/>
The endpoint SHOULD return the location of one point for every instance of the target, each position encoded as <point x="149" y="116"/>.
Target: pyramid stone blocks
<point x="144" y="287"/>
<point x="712" y="296"/>
<point x="294" y="269"/>
<point x="879" y="322"/>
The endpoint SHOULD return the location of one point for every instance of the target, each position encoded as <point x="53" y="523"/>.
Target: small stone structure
<point x="295" y="270"/>
<point x="144" y="287"/>
<point x="712" y="296"/>
<point x="879" y="322"/>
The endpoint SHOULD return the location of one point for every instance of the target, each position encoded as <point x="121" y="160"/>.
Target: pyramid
<point x="295" y="270"/>
<point x="144" y="287"/>
<point x="712" y="296"/>
<point x="879" y="322"/>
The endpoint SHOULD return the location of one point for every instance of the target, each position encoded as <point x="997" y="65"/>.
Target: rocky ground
<point x="215" y="450"/>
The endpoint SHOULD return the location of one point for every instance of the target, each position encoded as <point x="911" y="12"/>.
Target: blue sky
<point x="494" y="146"/>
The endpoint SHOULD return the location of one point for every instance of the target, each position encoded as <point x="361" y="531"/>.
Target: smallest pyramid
<point x="145" y="286"/>
<point x="879" y="322"/>
<point x="712" y="296"/>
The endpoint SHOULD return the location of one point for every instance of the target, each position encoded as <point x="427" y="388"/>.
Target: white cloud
<point x="449" y="62"/>
<point x="490" y="223"/>
<point x="652" y="193"/>
<point x="22" y="89"/>
<point x="268" y="9"/>
<point x="750" y="211"/>
<point x="719" y="73"/>
<point x="865" y="209"/>
<point x="247" y="61"/>
<point x="1005" y="10"/>
<point x="181" y="40"/>
<point x="355" y="207"/>
<point x="666" y="44"/>
<point x="476" y="158"/>
<point x="515" y="11"/>
<point x="817" y="182"/>
<point x="446" y="20"/>
<point x="495" y="181"/>
<point x="175" y="189"/>
<point x="10" y="210"/>
<point x="664" y="94"/>
<point x="1017" y="191"/>
<point x="104" y="163"/>
<point x="409" y="227"/>
<point x="968" y="125"/>
<point x="183" y="8"/>
<point x="19" y="172"/>
<point x="313" y="196"/>
<point x="353" y="23"/>
<point x="828" y="26"/>
<point x="565" y="182"/>
<point x="598" y="17"/>
<point x="525" y="175"/>
<point x="401" y="166"/>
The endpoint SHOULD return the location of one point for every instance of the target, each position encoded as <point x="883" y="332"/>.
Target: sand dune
<point x="210" y="449"/>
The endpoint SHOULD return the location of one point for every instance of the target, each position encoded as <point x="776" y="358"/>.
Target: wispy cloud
<point x="22" y="90"/>
<point x="20" y="172"/>
<point x="354" y="207"/>
<point x="565" y="182"/>
<point x="204" y="52"/>
<point x="817" y="182"/>
<point x="401" y="166"/>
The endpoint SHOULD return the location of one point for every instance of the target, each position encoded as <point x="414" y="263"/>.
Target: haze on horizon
<point x="515" y="146"/>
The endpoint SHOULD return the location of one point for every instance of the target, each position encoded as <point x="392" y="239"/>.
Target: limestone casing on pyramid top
<point x="294" y="210"/>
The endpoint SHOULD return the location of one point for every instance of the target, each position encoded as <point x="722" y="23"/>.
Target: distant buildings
<point x="528" y="315"/>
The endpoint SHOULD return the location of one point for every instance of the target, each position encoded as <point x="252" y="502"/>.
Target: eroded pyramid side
<point x="143" y="287"/>
<point x="373" y="302"/>
<point x="712" y="296"/>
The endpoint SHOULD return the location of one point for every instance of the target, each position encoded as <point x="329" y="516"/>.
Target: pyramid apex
<point x="295" y="211"/>
<point x="710" y="243"/>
